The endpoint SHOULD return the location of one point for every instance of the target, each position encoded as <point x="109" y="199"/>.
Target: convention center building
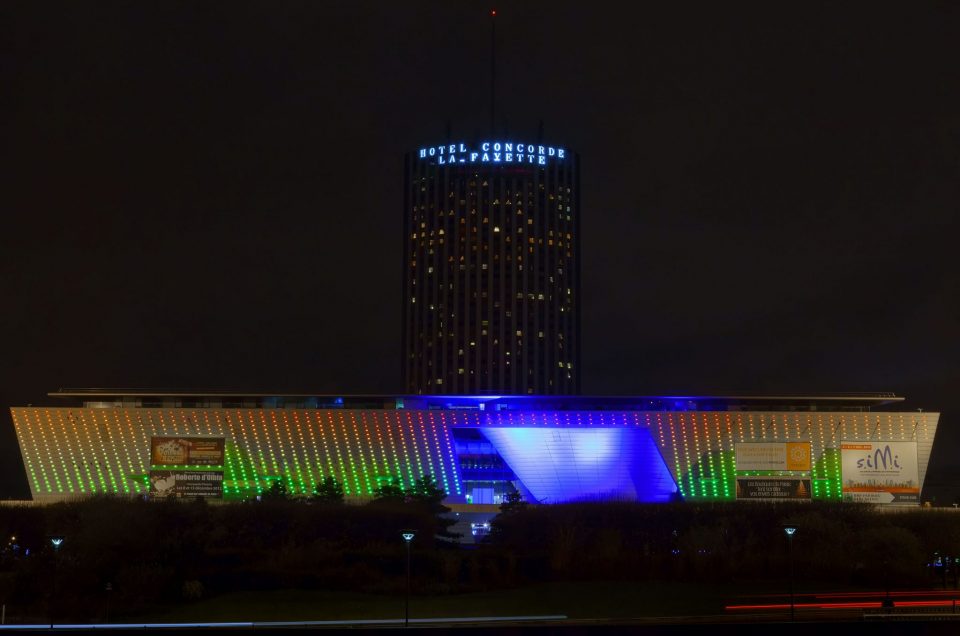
<point x="551" y="449"/>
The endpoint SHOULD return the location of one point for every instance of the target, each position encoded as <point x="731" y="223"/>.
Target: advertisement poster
<point x="184" y="483"/>
<point x="880" y="472"/>
<point x="773" y="456"/>
<point x="186" y="451"/>
<point x="773" y="488"/>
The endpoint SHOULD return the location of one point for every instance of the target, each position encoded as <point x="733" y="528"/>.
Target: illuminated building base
<point x="551" y="450"/>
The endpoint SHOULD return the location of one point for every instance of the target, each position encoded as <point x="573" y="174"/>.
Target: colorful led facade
<point x="491" y="290"/>
<point x="550" y="449"/>
<point x="77" y="451"/>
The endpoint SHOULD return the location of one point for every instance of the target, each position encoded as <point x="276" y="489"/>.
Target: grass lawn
<point x="576" y="600"/>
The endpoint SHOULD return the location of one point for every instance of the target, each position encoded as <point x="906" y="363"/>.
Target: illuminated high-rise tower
<point x="491" y="262"/>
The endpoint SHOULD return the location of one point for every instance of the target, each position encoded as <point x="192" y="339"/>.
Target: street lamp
<point x="108" y="588"/>
<point x="408" y="536"/>
<point x="56" y="540"/>
<point x="790" y="530"/>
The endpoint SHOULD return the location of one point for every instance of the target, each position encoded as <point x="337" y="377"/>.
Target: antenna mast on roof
<point x="493" y="69"/>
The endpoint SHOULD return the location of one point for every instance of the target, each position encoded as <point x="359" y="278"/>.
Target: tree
<point x="512" y="502"/>
<point x="426" y="492"/>
<point x="276" y="492"/>
<point x="329" y="491"/>
<point x="389" y="490"/>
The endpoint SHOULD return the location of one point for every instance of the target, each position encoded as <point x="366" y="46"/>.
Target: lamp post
<point x="887" y="601"/>
<point x="408" y="536"/>
<point x="790" y="530"/>
<point x="56" y="541"/>
<point x="109" y="590"/>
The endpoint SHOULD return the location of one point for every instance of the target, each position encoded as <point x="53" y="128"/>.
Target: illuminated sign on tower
<point x="493" y="152"/>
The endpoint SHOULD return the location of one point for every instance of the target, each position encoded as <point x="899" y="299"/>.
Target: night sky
<point x="207" y="195"/>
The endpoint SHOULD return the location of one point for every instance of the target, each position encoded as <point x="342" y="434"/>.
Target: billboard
<point x="187" y="483"/>
<point x="880" y="472"/>
<point x="776" y="488"/>
<point x="186" y="451"/>
<point x="773" y="456"/>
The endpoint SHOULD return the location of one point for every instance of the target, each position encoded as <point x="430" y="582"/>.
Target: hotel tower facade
<point x="491" y="266"/>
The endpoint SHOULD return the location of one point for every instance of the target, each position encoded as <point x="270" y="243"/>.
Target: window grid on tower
<point x="461" y="307"/>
